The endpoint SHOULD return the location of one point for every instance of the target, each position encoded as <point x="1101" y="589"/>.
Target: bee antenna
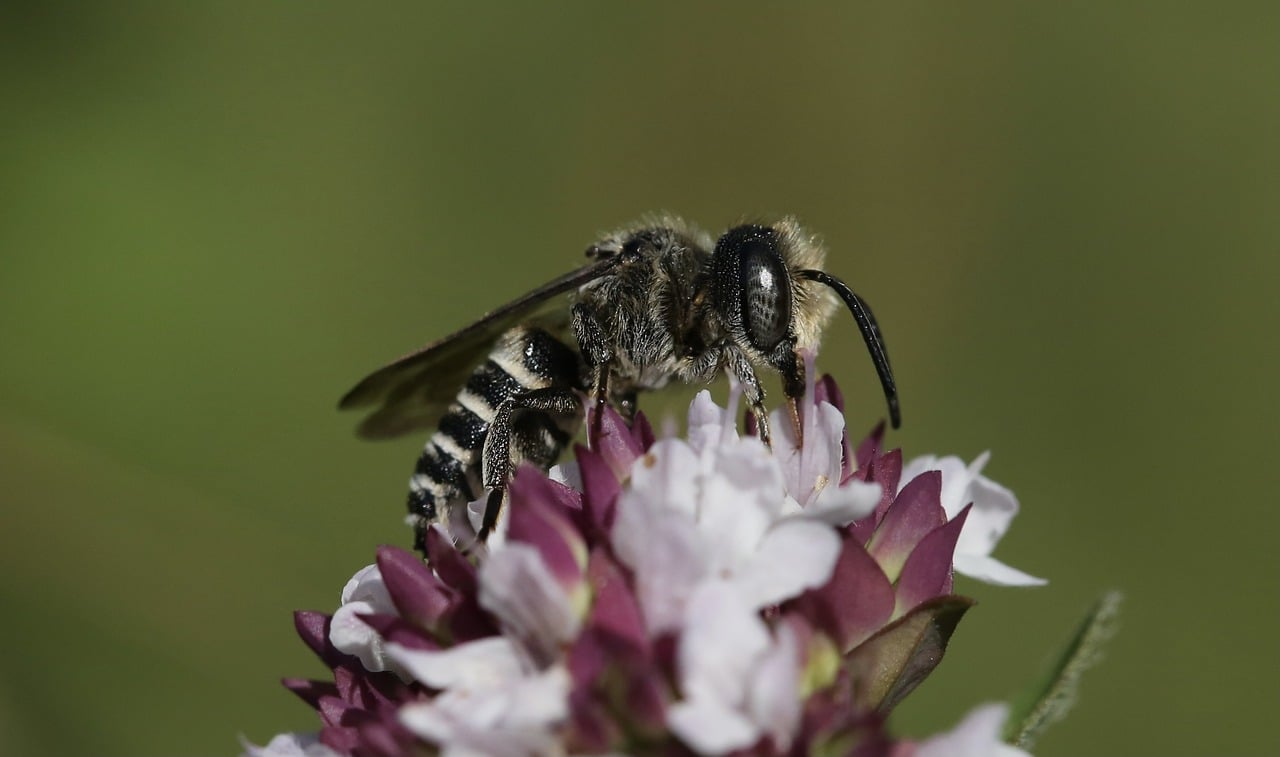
<point x="870" y="334"/>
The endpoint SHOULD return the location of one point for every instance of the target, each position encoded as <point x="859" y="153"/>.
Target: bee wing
<point x="415" y="390"/>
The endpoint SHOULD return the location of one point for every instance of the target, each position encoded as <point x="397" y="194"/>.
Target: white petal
<point x="364" y="594"/>
<point x="430" y="720"/>
<point x="567" y="473"/>
<point x="978" y="735"/>
<point x="785" y="449"/>
<point x="811" y="469"/>
<point x="914" y="467"/>
<point x="467" y="524"/>
<point x="774" y="700"/>
<point x="828" y="429"/>
<point x="957" y="481"/>
<point x="351" y="635"/>
<point x="795" y="555"/>
<point x="736" y="683"/>
<point x="742" y="495"/>
<point x="487" y="662"/>
<point x="842" y="505"/>
<point x="709" y="727"/>
<point x="473" y="750"/>
<point x="709" y="424"/>
<point x="517" y="718"/>
<point x="990" y="570"/>
<point x="719" y="645"/>
<point x="956" y="478"/>
<point x="541" y="699"/>
<point x="655" y="533"/>
<point x="993" y="509"/>
<point x="290" y="745"/>
<point x="669" y="570"/>
<point x="367" y="586"/>
<point x="667" y="478"/>
<point x="518" y="588"/>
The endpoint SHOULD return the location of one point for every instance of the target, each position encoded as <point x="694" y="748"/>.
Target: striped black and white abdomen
<point x="450" y="472"/>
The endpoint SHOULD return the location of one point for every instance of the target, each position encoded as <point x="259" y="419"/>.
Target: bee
<point x="657" y="302"/>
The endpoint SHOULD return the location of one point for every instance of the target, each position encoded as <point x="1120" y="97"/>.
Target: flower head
<point x="706" y="595"/>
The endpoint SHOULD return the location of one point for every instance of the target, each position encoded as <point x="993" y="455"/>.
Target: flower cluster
<point x="707" y="595"/>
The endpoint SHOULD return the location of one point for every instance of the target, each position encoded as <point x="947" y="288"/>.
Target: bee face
<point x="768" y="306"/>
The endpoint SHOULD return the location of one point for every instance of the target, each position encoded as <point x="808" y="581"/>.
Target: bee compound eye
<point x="752" y="285"/>
<point x="765" y="289"/>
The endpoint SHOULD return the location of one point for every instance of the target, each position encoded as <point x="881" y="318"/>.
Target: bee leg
<point x="792" y="370"/>
<point x="751" y="391"/>
<point x="598" y="354"/>
<point x="492" y="507"/>
<point x="496" y="457"/>
<point x="599" y="395"/>
<point x="590" y="335"/>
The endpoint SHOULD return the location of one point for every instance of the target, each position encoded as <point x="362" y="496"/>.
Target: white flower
<point x="662" y="582"/>
<point x="518" y="588"/>
<point x="290" y="745"/>
<point x="813" y="471"/>
<point x="691" y="516"/>
<point x="978" y="735"/>
<point x="993" y="509"/>
<point x="810" y="473"/>
<point x="721" y="507"/>
<point x="364" y="594"/>
<point x="738" y="683"/>
<point x="491" y="703"/>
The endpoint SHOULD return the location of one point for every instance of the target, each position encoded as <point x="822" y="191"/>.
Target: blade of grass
<point x="1052" y="696"/>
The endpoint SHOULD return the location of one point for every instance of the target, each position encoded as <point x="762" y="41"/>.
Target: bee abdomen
<point x="449" y="472"/>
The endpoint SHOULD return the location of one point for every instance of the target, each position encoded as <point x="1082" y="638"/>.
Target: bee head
<point x="755" y="294"/>
<point x="772" y="295"/>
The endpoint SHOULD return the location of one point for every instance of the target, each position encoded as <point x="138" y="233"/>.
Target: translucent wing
<point x="414" y="391"/>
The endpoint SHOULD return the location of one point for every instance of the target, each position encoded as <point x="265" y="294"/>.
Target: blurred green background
<point x="215" y="218"/>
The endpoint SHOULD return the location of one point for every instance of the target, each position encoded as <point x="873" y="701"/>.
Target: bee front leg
<point x="540" y="443"/>
<point x="792" y="369"/>
<point x="751" y="391"/>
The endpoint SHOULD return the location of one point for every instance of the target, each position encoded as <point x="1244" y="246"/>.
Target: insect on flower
<point x="658" y="301"/>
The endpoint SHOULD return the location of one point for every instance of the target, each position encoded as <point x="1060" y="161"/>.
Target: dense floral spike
<point x="706" y="595"/>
